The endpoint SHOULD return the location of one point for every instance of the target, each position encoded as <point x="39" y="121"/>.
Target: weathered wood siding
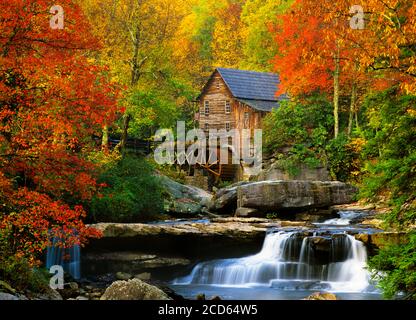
<point x="241" y="117"/>
<point x="217" y="93"/>
<point x="253" y="120"/>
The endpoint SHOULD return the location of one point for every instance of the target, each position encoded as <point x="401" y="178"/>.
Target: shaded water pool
<point x="262" y="293"/>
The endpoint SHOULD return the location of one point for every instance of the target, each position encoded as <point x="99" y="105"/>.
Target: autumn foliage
<point x="53" y="100"/>
<point x="313" y="31"/>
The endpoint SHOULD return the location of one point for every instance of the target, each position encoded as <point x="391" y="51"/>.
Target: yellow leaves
<point x="409" y="88"/>
<point x="92" y="60"/>
<point x="356" y="145"/>
<point x="411" y="112"/>
<point x="126" y="25"/>
<point x="227" y="39"/>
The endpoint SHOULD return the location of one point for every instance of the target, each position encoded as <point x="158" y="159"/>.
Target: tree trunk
<point x="135" y="74"/>
<point x="135" y="65"/>
<point x="124" y="134"/>
<point x="357" y="124"/>
<point x="104" y="140"/>
<point x="352" y="108"/>
<point x="336" y="93"/>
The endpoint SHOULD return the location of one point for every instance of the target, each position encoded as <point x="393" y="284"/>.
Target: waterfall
<point x="68" y="258"/>
<point x="345" y="218"/>
<point x="350" y="275"/>
<point x="289" y="260"/>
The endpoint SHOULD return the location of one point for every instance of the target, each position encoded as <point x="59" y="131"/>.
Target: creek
<point x="290" y="265"/>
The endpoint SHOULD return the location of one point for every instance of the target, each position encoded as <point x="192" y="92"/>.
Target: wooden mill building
<point x="236" y="99"/>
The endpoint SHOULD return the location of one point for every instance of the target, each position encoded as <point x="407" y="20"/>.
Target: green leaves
<point x="390" y="156"/>
<point x="299" y="131"/>
<point x="133" y="193"/>
<point x="391" y="149"/>
<point x="398" y="266"/>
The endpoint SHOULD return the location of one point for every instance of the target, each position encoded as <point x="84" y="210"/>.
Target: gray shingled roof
<point x="255" y="89"/>
<point x="251" y="85"/>
<point x="261" y="105"/>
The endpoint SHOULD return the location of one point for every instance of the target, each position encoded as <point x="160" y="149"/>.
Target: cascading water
<point x="290" y="260"/>
<point x="345" y="218"/>
<point x="68" y="258"/>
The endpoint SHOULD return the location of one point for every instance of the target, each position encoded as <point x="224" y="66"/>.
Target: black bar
<point x="160" y="310"/>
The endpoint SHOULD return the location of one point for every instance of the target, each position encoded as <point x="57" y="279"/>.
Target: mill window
<point x="227" y="107"/>
<point x="206" y="108"/>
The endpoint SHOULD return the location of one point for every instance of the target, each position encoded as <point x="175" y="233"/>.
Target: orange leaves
<point x="53" y="99"/>
<point x="5" y="186"/>
<point x="26" y="23"/>
<point x="38" y="219"/>
<point x="227" y="36"/>
<point x="303" y="63"/>
<point x="383" y="51"/>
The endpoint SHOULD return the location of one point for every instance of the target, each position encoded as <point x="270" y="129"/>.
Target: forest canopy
<point x="120" y="69"/>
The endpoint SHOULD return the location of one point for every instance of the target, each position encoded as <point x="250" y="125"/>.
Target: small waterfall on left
<point x="68" y="258"/>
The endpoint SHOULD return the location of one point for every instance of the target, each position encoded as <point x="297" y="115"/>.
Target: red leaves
<point x="38" y="219"/>
<point x="301" y="63"/>
<point x="25" y="27"/>
<point x="311" y="30"/>
<point x="52" y="101"/>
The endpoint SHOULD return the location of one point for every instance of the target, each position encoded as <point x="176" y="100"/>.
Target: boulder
<point x="4" y="286"/>
<point x="381" y="239"/>
<point x="133" y="290"/>
<point x="276" y="171"/>
<point x="321" y="296"/>
<point x="47" y="294"/>
<point x="295" y="224"/>
<point x="73" y="285"/>
<point x="123" y="276"/>
<point x="227" y="229"/>
<point x="263" y="223"/>
<point x="225" y="200"/>
<point x="239" y="220"/>
<point x="165" y="262"/>
<point x="70" y="290"/>
<point x="162" y="285"/>
<point x="200" y="297"/>
<point x="246" y="212"/>
<point x="124" y="264"/>
<point x="269" y="196"/>
<point x="184" y="200"/>
<point x="8" y="296"/>
<point x="188" y="240"/>
<point x="375" y="223"/>
<point x="321" y="243"/>
<point x="143" y="276"/>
